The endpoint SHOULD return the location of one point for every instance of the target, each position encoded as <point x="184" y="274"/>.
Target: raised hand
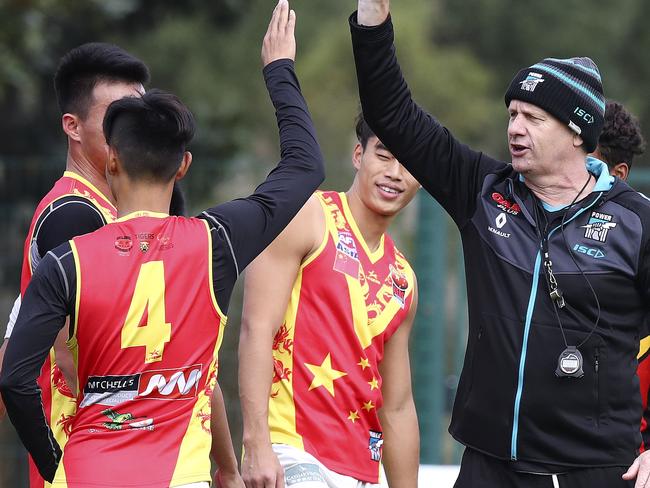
<point x="372" y="12"/>
<point x="279" y="41"/>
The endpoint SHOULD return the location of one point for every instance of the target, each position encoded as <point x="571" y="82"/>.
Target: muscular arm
<point x="47" y="301"/>
<point x="263" y="313"/>
<point x="450" y="171"/>
<point x="401" y="451"/>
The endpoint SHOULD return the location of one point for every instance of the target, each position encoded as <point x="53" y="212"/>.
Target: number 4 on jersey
<point x="149" y="298"/>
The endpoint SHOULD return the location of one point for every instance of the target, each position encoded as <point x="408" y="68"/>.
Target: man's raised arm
<point x="447" y="169"/>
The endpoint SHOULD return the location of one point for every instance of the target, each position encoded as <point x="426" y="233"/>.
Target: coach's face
<point x="538" y="142"/>
<point x="384" y="185"/>
<point x="91" y="134"/>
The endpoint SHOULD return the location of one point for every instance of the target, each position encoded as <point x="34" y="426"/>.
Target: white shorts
<point x="302" y="470"/>
<point x="200" y="484"/>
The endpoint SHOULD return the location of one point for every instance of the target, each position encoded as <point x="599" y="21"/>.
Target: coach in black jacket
<point x="558" y="271"/>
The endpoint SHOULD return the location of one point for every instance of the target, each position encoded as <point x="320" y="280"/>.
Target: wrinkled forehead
<point x="526" y="108"/>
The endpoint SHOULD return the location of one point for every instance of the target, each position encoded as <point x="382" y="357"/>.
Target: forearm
<point x="222" y="451"/>
<point x="401" y="449"/>
<point x="449" y="170"/>
<point x="255" y="376"/>
<point x="252" y="223"/>
<point x="46" y="303"/>
<point x="413" y="136"/>
<point x="372" y="12"/>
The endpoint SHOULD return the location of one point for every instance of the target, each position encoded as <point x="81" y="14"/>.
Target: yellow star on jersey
<point x="374" y="384"/>
<point x="364" y="363"/>
<point x="368" y="406"/>
<point x="353" y="415"/>
<point x="324" y="375"/>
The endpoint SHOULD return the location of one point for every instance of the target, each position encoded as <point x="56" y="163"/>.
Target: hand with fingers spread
<point x="279" y="41"/>
<point x="372" y="12"/>
<point x="640" y="470"/>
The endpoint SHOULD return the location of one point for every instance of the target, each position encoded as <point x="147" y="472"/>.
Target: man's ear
<point x="577" y="140"/>
<point x="70" y="125"/>
<point x="621" y="170"/>
<point x="356" y="156"/>
<point x="185" y="165"/>
<point x="112" y="165"/>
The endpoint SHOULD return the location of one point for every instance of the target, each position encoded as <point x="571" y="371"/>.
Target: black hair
<point x="149" y="134"/>
<point x="621" y="137"/>
<point x="363" y="130"/>
<point x="82" y="68"/>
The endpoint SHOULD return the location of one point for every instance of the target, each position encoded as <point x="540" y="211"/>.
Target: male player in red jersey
<point x="88" y="78"/>
<point x="324" y="366"/>
<point x="147" y="294"/>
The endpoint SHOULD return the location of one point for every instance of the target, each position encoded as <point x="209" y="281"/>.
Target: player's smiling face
<point x="384" y="185"/>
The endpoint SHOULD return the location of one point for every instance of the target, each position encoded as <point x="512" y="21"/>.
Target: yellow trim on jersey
<point x="644" y="346"/>
<point x="193" y="462"/>
<point x="373" y="256"/>
<point x="75" y="176"/>
<point x="142" y="213"/>
<point x="282" y="407"/>
<point x="222" y="316"/>
<point x="326" y="234"/>
<point x="60" y="478"/>
<point x="72" y="340"/>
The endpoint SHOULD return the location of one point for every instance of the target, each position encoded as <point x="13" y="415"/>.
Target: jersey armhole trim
<point x="219" y="227"/>
<point x="326" y="234"/>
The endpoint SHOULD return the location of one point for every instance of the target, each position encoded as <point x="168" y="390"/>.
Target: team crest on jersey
<point x="374" y="445"/>
<point x="347" y="258"/>
<point x="599" y="226"/>
<point x="163" y="384"/>
<point x="400" y="285"/>
<point x="123" y="244"/>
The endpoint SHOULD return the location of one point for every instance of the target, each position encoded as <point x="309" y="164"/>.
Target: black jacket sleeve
<point x="248" y="225"/>
<point x="48" y="300"/>
<point x="450" y="171"/>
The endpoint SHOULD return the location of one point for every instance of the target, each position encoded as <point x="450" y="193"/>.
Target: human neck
<point x="562" y="188"/>
<point x="89" y="171"/>
<point x="371" y="224"/>
<point x="138" y="197"/>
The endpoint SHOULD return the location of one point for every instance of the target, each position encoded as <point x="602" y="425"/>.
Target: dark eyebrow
<point x="380" y="146"/>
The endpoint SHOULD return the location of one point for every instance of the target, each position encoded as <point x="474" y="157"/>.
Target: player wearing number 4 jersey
<point x="147" y="296"/>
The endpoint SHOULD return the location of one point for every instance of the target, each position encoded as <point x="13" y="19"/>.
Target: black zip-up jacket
<point x="510" y="404"/>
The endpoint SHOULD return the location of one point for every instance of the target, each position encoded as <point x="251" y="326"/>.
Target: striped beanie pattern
<point x="569" y="89"/>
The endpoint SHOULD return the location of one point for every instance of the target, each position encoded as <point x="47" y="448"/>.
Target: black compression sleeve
<point x="72" y="217"/>
<point x="47" y="301"/>
<point x="247" y="225"/>
<point x="450" y="171"/>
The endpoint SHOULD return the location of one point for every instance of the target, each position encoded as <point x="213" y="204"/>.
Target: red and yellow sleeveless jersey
<point x="346" y="303"/>
<point x="147" y="329"/>
<point x="58" y="401"/>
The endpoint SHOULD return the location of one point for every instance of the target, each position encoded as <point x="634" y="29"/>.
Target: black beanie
<point x="569" y="89"/>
